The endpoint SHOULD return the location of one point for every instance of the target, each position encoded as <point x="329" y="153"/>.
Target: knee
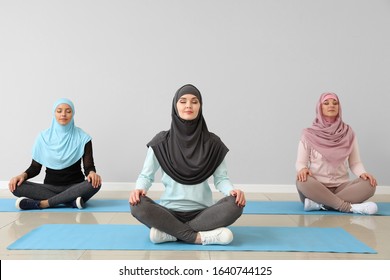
<point x="91" y="187"/>
<point x="139" y="210"/>
<point x="16" y="193"/>
<point x="97" y="188"/>
<point x="299" y="184"/>
<point x="302" y="185"/>
<point x="19" y="191"/>
<point x="238" y="212"/>
<point x="134" y="210"/>
<point x="235" y="209"/>
<point x="367" y="185"/>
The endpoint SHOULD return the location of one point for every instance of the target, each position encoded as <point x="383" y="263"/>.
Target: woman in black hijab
<point x="188" y="155"/>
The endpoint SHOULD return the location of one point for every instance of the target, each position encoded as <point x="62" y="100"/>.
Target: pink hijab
<point x="333" y="140"/>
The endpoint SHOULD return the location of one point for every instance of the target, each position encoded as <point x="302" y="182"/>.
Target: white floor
<point x="374" y="231"/>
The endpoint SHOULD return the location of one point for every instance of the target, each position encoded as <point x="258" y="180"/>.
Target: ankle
<point x="198" y="239"/>
<point x="44" y="204"/>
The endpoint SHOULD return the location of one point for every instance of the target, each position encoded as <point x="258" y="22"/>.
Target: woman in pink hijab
<point x="326" y="152"/>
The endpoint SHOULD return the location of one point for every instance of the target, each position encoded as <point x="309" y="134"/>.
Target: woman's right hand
<point x="302" y="174"/>
<point x="16" y="181"/>
<point x="134" y="198"/>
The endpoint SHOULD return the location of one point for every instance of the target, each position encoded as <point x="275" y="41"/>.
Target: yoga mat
<point x="93" y="205"/>
<point x="252" y="207"/>
<point x="296" y="208"/>
<point x="136" y="237"/>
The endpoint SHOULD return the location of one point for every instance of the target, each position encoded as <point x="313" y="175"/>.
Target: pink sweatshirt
<point x="323" y="171"/>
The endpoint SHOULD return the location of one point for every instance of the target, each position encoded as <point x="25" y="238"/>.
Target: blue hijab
<point x="60" y="146"/>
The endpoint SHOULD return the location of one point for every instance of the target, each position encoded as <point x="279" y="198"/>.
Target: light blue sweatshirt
<point x="179" y="197"/>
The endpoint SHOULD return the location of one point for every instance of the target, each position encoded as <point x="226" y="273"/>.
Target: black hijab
<point x="188" y="152"/>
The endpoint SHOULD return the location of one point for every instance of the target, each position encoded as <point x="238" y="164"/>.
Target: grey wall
<point x="261" y="66"/>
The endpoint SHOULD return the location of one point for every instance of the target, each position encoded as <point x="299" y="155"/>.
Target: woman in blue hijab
<point x="61" y="149"/>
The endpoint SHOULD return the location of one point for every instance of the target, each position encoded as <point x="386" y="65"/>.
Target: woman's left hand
<point x="367" y="176"/>
<point x="94" y="179"/>
<point x="240" y="197"/>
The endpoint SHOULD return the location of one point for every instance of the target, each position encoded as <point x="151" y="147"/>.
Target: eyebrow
<point x="184" y="98"/>
<point x="59" y="108"/>
<point x="329" y="100"/>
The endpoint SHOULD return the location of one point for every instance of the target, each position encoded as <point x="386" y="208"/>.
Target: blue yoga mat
<point x="136" y="237"/>
<point x="296" y="208"/>
<point x="252" y="207"/>
<point x="93" y="205"/>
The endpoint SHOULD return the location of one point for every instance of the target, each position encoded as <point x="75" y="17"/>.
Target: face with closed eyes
<point x="63" y="114"/>
<point x="330" y="108"/>
<point x="188" y="107"/>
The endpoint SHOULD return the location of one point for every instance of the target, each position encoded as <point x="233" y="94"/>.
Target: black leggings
<point x="186" y="225"/>
<point x="56" y="194"/>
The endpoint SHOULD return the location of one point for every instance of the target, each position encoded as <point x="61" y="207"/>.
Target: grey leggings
<point x="186" y="225"/>
<point x="56" y="194"/>
<point x="339" y="198"/>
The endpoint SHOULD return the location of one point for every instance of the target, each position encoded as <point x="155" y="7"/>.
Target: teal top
<point x="179" y="197"/>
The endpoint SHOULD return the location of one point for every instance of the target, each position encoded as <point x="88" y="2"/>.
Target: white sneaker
<point x="310" y="205"/>
<point x="157" y="236"/>
<point x="367" y="208"/>
<point x="221" y="236"/>
<point x="79" y="203"/>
